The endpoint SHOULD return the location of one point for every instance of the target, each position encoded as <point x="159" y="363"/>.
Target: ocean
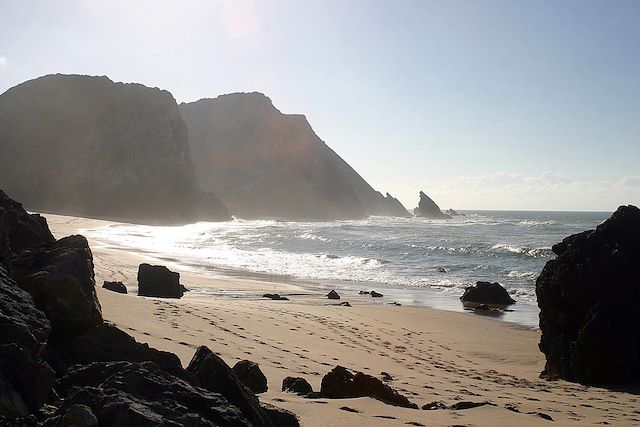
<point x="412" y="261"/>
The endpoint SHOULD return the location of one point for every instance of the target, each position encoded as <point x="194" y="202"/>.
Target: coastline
<point x="432" y="355"/>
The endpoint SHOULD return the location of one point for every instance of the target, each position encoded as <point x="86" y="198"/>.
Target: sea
<point x="412" y="261"/>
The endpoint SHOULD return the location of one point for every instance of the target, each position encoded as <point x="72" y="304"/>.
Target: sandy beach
<point x="431" y="355"/>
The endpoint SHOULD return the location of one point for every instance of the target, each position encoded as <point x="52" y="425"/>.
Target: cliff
<point x="262" y="163"/>
<point x="87" y="146"/>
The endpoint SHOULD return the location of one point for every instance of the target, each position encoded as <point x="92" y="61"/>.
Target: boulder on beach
<point x="486" y="293"/>
<point x="158" y="281"/>
<point x="59" y="277"/>
<point x="342" y="384"/>
<point x="589" y="297"/>
<point x="250" y="375"/>
<point x="23" y="230"/>
<point x="275" y="297"/>
<point x="333" y="295"/>
<point x="280" y="417"/>
<point x="427" y="208"/>
<point x="296" y="385"/>
<point x="118" y="287"/>
<point x="213" y="374"/>
<point x="375" y="294"/>
<point x="130" y="394"/>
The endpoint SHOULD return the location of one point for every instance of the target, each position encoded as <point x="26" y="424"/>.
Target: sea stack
<point x="262" y="163"/>
<point x="86" y="146"/>
<point x="589" y="298"/>
<point x="427" y="208"/>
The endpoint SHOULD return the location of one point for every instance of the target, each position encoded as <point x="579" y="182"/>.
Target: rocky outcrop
<point x="158" y="281"/>
<point x="215" y="375"/>
<point x="131" y="394"/>
<point x="262" y="163"/>
<point x="589" y="297"/>
<point x="297" y="385"/>
<point x="22" y="230"/>
<point x="453" y="213"/>
<point x="333" y="295"/>
<point x="486" y="293"/>
<point x="25" y="379"/>
<point x="427" y="208"/>
<point x="342" y="384"/>
<point x="107" y="343"/>
<point x="87" y="146"/>
<point x="251" y="376"/>
<point x="118" y="287"/>
<point x="280" y="417"/>
<point x="59" y="277"/>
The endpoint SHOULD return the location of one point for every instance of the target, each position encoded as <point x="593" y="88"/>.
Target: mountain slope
<point x="262" y="163"/>
<point x="87" y="146"/>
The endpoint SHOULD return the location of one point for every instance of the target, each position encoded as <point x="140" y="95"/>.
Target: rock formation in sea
<point x="262" y="163"/>
<point x="589" y="297"/>
<point x="62" y="365"/>
<point x="427" y="208"/>
<point x="486" y="293"/>
<point x="84" y="145"/>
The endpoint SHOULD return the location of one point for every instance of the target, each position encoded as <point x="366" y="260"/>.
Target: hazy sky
<point x="481" y="104"/>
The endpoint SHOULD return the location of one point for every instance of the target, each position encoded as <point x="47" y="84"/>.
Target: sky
<point x="526" y="105"/>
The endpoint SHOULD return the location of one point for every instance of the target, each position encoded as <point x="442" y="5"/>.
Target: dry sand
<point x="432" y="355"/>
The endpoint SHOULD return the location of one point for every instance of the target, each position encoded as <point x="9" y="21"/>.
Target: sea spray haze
<point x="402" y="254"/>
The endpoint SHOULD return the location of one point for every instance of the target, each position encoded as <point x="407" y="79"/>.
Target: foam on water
<point x="409" y="254"/>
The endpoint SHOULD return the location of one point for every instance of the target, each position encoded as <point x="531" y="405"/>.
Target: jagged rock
<point x="274" y="165"/>
<point x="78" y="416"/>
<point x="342" y="384"/>
<point x="589" y="297"/>
<point x="489" y="294"/>
<point x="25" y="380"/>
<point x="333" y="295"/>
<point x="132" y="394"/>
<point x="23" y="230"/>
<point x="427" y="208"/>
<point x="107" y="343"/>
<point x="215" y="375"/>
<point x="118" y="287"/>
<point x="251" y="376"/>
<point x="386" y="376"/>
<point x="434" y="406"/>
<point x="59" y="277"/>
<point x="375" y="294"/>
<point x="296" y="385"/>
<point x="275" y="297"/>
<point x="280" y="417"/>
<point x="158" y="281"/>
<point x="86" y="146"/>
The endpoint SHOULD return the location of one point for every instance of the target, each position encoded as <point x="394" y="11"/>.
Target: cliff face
<point x="262" y="163"/>
<point x="87" y="146"/>
<point x="427" y="208"/>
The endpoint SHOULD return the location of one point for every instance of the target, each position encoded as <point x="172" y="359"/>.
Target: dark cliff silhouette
<point x="87" y="146"/>
<point x="262" y="163"/>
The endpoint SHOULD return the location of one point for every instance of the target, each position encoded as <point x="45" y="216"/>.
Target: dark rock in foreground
<point x="23" y="230"/>
<point x="486" y="293"/>
<point x="296" y="385"/>
<point x="142" y="394"/>
<point x="25" y="380"/>
<point x="280" y="417"/>
<point x="333" y="295"/>
<point x="427" y="208"/>
<point x="215" y="375"/>
<point x="251" y="376"/>
<point x="118" y="287"/>
<point x="107" y="343"/>
<point x="158" y="281"/>
<point x="342" y="384"/>
<point x="589" y="298"/>
<point x="59" y="277"/>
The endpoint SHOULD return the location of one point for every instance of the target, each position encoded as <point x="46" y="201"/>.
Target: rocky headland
<point x="86" y="146"/>
<point x="265" y="164"/>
